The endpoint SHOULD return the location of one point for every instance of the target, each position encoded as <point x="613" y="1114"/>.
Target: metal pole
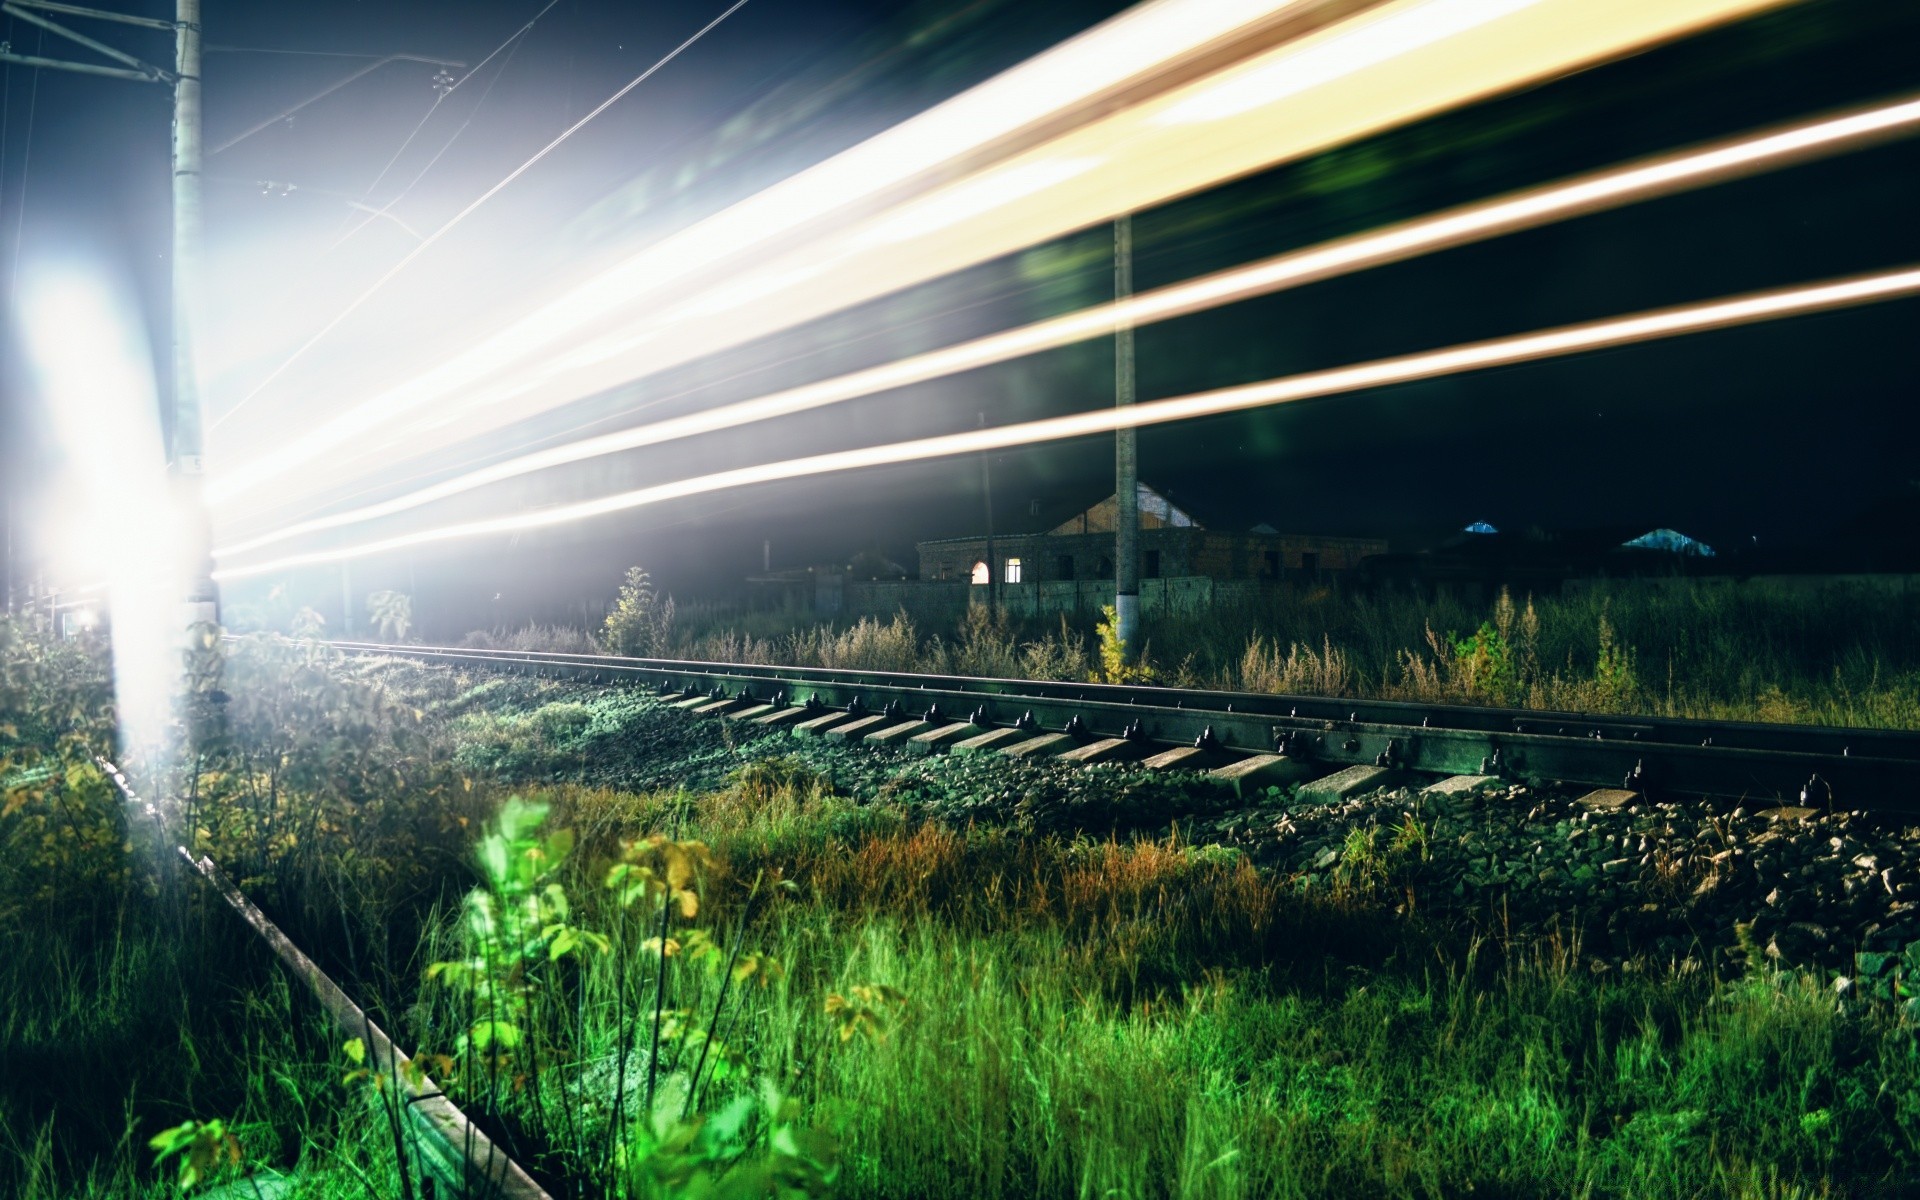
<point x="186" y="450"/>
<point x="986" y="491"/>
<point x="1126" y="476"/>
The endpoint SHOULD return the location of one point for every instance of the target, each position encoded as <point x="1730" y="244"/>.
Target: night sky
<point x="1785" y="432"/>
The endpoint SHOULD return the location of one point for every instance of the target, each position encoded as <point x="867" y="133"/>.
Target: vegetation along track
<point x="1330" y="747"/>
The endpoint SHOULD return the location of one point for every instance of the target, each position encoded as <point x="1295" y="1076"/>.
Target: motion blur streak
<point x="1127" y="160"/>
<point x="428" y="241"/>
<point x="89" y="363"/>
<point x="1660" y="176"/>
<point x="1507" y="351"/>
<point x="1105" y="58"/>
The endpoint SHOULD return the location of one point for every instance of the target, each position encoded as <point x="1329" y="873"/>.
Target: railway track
<point x="1332" y="747"/>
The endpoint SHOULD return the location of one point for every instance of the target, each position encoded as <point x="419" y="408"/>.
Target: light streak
<point x="1646" y="179"/>
<point x="1104" y="58"/>
<point x="818" y="218"/>
<point x="1477" y="356"/>
<point x="1373" y="42"/>
<point x="354" y="305"/>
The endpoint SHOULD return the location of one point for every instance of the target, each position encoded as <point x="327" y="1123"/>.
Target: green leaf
<point x="357" y="1049"/>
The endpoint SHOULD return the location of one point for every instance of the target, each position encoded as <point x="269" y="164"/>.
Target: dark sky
<point x="1782" y="431"/>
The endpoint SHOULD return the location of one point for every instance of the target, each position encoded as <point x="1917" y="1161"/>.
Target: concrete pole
<point x="186" y="451"/>
<point x="1126" y="475"/>
<point x="986" y="493"/>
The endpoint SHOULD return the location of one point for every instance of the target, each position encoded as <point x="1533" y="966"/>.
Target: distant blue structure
<point x="1480" y="527"/>
<point x="1670" y="541"/>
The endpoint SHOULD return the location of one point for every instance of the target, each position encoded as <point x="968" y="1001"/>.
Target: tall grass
<point x="1839" y="654"/>
<point x="1150" y="1019"/>
<point x="122" y="1025"/>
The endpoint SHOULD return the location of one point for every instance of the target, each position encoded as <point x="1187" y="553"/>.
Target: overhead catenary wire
<point x="26" y="174"/>
<point x="463" y="214"/>
<point x="440" y="98"/>
<point x="1753" y="307"/>
<point x="1645" y="179"/>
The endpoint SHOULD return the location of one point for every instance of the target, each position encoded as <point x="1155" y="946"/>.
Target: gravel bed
<point x="1703" y="884"/>
<point x="1838" y="891"/>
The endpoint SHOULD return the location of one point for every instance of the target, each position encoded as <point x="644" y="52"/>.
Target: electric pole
<point x="1126" y="474"/>
<point x="182" y="417"/>
<point x="186" y="457"/>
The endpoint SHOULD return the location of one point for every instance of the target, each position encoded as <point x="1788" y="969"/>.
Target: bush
<point x="641" y="622"/>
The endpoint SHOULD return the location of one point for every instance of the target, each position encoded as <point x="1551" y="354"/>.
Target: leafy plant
<point x="641" y="622"/>
<point x="391" y="613"/>
<point x="205" y="1148"/>
<point x="1117" y="663"/>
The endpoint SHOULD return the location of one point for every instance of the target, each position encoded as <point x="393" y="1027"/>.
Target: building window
<point x="1012" y="573"/>
<point x="980" y="574"/>
<point x="1152" y="566"/>
<point x="1273" y="564"/>
<point x="1309" y="561"/>
<point x="1064" y="568"/>
<point x="942" y="573"/>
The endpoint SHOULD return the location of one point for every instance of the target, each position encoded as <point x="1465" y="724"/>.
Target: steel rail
<point x="1862" y="768"/>
<point x="448" y="1147"/>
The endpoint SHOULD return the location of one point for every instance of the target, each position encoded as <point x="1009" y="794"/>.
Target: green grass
<point x="1151" y="1019"/>
<point x="1123" y="1015"/>
<point x="129" y="1022"/>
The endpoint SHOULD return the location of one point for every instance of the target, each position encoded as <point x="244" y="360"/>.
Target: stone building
<point x="1173" y="545"/>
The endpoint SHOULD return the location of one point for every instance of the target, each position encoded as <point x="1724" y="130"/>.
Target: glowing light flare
<point x="1142" y="163"/>
<point x="1659" y="176"/>
<point x="1105" y="58"/>
<point x="89" y="363"/>
<point x="1498" y="352"/>
<point x="1378" y="39"/>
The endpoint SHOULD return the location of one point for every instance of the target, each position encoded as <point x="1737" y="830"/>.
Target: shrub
<point x="641" y="622"/>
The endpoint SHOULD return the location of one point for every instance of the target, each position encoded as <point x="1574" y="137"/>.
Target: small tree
<point x="391" y="613"/>
<point x="641" y="620"/>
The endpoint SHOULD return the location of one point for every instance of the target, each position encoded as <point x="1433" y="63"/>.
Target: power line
<point x="26" y="174"/>
<point x="1777" y="304"/>
<point x="511" y="40"/>
<point x="1611" y="187"/>
<point x="462" y="215"/>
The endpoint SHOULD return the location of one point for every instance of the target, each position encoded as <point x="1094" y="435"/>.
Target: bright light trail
<point x="818" y="226"/>
<point x="1112" y="56"/>
<point x="466" y="212"/>
<point x="1644" y="180"/>
<point x="1475" y="356"/>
